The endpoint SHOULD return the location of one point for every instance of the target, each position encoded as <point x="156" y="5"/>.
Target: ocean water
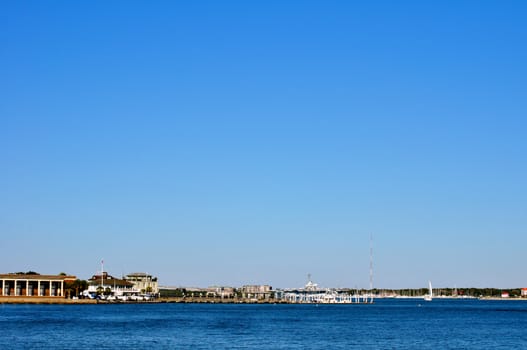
<point x="387" y="324"/>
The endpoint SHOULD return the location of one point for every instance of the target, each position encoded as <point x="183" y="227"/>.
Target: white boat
<point x="429" y="296"/>
<point x="312" y="294"/>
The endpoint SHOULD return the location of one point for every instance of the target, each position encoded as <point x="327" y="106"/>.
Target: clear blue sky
<point x="240" y="142"/>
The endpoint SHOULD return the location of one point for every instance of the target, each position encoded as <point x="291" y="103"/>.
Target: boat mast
<point x="430" y="289"/>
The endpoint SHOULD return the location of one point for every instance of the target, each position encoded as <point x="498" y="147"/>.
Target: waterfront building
<point x="109" y="285"/>
<point x="524" y="292"/>
<point x="195" y="292"/>
<point x="222" y="292"/>
<point x="256" y="291"/>
<point x="33" y="285"/>
<point x="143" y="282"/>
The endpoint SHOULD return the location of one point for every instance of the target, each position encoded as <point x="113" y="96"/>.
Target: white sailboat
<point x="429" y="296"/>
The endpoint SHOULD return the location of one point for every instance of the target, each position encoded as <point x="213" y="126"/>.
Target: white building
<point x="107" y="285"/>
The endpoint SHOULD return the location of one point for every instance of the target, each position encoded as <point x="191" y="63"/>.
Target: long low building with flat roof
<point x="33" y="285"/>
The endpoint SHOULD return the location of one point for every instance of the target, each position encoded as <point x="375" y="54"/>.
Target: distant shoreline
<point x="505" y="299"/>
<point x="181" y="300"/>
<point x="64" y="301"/>
<point x="454" y="298"/>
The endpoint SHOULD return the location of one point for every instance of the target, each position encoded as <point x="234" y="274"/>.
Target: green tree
<point x="76" y="287"/>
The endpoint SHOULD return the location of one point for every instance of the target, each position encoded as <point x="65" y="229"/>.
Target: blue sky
<point x="256" y="142"/>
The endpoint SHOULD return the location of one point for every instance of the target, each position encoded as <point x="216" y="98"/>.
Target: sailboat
<point x="429" y="296"/>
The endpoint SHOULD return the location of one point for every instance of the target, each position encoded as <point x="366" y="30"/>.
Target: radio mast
<point x="371" y="268"/>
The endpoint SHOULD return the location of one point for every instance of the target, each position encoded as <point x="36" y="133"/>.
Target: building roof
<point x="107" y="279"/>
<point x="137" y="274"/>
<point x="111" y="282"/>
<point x="35" y="277"/>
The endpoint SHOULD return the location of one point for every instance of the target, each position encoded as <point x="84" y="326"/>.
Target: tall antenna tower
<point x="371" y="267"/>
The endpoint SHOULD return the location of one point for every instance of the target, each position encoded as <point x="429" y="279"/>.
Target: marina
<point x="311" y="294"/>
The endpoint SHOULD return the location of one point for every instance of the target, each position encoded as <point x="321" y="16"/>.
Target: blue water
<point x="388" y="324"/>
